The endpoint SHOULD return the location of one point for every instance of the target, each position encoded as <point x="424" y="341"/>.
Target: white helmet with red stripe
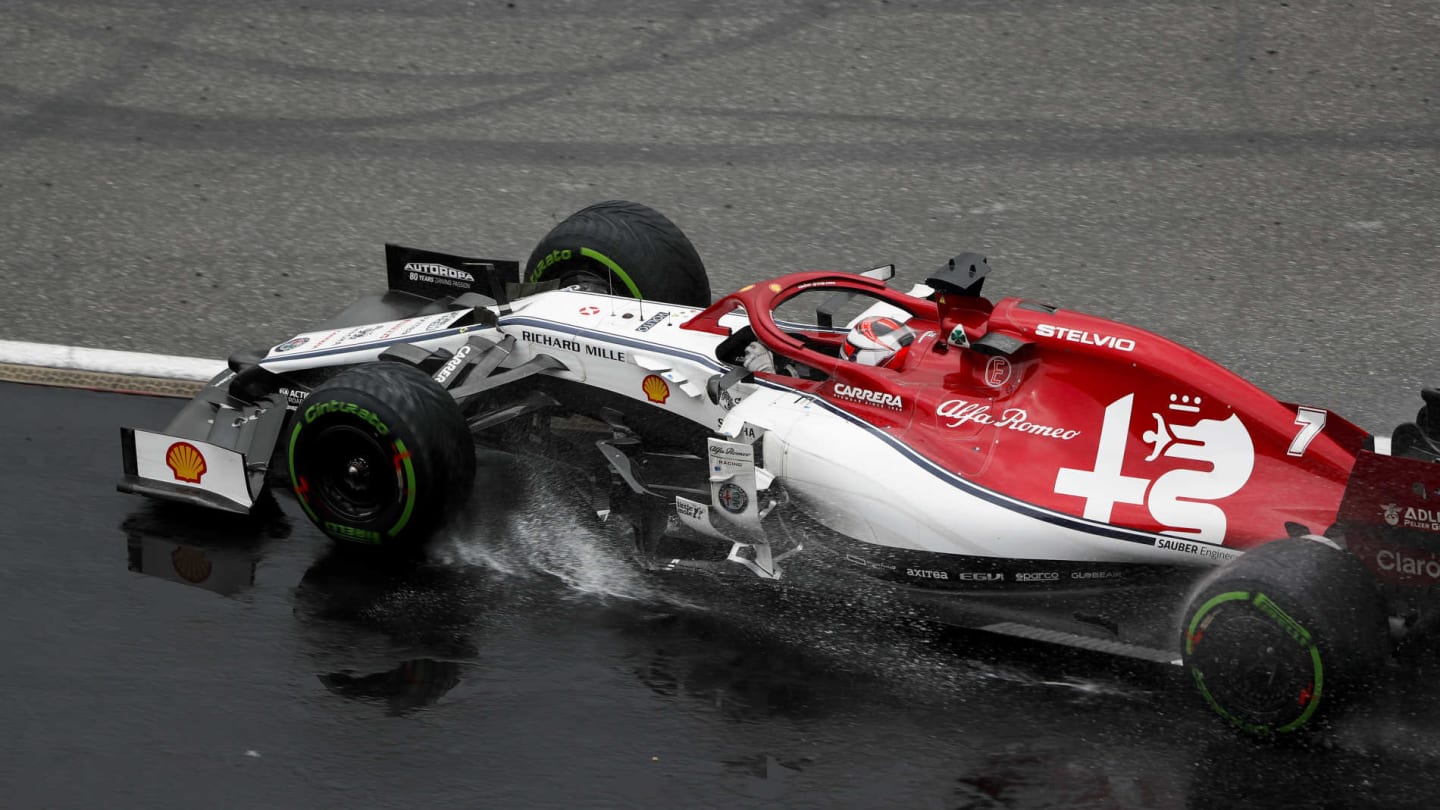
<point x="878" y="340"/>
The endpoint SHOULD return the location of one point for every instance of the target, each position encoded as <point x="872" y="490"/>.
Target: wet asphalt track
<point x="160" y="657"/>
<point x="1256" y="179"/>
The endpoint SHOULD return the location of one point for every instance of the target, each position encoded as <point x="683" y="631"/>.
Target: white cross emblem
<point x="1104" y="486"/>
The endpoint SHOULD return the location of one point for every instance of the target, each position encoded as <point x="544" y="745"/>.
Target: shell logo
<point x="655" y="388"/>
<point x="775" y="287"/>
<point x="190" y="564"/>
<point x="186" y="462"/>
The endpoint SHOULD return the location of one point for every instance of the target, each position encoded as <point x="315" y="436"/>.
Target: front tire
<point x="622" y="248"/>
<point x="1279" y="636"/>
<point x="380" y="455"/>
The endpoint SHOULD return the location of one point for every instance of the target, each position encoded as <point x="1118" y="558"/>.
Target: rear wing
<point x="1390" y="514"/>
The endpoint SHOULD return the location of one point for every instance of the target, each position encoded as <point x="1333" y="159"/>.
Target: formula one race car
<point x="1014" y="466"/>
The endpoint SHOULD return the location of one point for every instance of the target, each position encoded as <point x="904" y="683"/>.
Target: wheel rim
<point x="352" y="473"/>
<point x="1266" y="667"/>
<point x="1253" y="672"/>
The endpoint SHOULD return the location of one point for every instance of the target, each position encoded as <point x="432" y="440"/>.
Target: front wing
<point x="215" y="452"/>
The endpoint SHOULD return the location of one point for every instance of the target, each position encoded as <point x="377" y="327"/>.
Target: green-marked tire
<point x="622" y="248"/>
<point x="380" y="455"/>
<point x="1279" y="637"/>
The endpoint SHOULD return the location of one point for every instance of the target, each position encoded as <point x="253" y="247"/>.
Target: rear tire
<point x="622" y="248"/>
<point x="380" y="455"/>
<point x="1281" y="635"/>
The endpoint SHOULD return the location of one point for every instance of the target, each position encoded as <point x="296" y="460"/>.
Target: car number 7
<point x="1311" y="421"/>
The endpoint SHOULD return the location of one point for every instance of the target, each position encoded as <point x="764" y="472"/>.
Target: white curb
<point x="109" y="361"/>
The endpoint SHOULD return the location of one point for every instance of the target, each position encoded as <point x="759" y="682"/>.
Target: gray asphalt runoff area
<point x="1257" y="180"/>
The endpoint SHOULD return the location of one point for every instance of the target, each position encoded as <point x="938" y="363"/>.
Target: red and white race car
<point x="1012" y="466"/>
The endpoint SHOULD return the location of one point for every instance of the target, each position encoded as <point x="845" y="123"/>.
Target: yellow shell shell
<point x="190" y="564"/>
<point x="656" y="389"/>
<point x="186" y="462"/>
<point x="775" y="288"/>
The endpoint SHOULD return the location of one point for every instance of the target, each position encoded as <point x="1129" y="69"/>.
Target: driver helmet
<point x="878" y="340"/>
